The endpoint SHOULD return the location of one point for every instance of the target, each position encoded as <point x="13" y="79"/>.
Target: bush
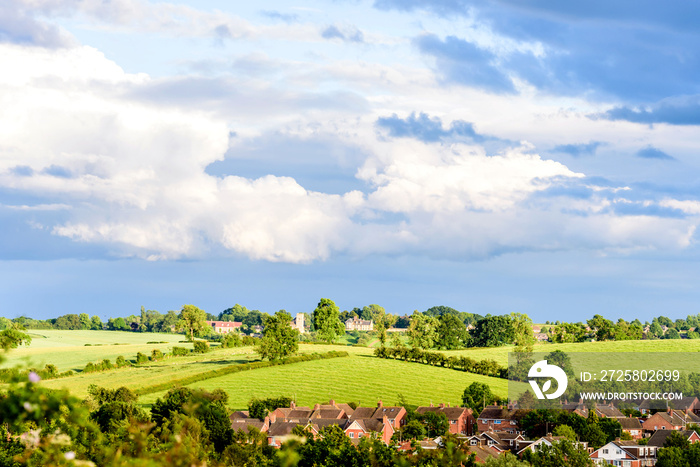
<point x="177" y="351"/>
<point x="232" y="339"/>
<point x="156" y="355"/>
<point x="201" y="346"/>
<point x="141" y="358"/>
<point x="121" y="361"/>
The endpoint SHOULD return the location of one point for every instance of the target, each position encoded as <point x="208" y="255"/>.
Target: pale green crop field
<point x="67" y="349"/>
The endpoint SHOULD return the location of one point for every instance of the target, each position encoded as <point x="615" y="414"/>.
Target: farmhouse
<point x="357" y="324"/>
<point x="224" y="327"/>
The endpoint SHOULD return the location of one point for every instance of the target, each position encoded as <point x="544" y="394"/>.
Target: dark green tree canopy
<point x="279" y="339"/>
<point x="327" y="320"/>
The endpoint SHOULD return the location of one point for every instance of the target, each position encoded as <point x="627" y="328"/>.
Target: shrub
<point x="180" y="351"/>
<point x="121" y="361"/>
<point x="141" y="358"/>
<point x="201" y="346"/>
<point x="232" y="339"/>
<point x="156" y="355"/>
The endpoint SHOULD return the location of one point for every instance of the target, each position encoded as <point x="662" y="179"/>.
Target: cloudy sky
<point x="490" y="156"/>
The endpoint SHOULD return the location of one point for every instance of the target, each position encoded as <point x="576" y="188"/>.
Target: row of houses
<point x="299" y="323"/>
<point x="494" y="432"/>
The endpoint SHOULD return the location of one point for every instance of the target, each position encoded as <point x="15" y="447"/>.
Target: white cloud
<point x="131" y="176"/>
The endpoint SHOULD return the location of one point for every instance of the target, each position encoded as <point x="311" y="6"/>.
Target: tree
<point x="279" y="339"/>
<point x="422" y="333"/>
<point x="506" y="460"/>
<point x="327" y="321"/>
<point x="566" y="431"/>
<point x="493" y="331"/>
<point x="85" y="322"/>
<point x="96" y="323"/>
<point x="561" y="453"/>
<point x="603" y="328"/>
<point x="476" y="396"/>
<point x="451" y="332"/>
<point x="192" y="321"/>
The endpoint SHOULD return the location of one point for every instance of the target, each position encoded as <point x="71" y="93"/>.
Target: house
<point x="541" y="337"/>
<point x="369" y="427"/>
<point x="224" y="327"/>
<point x="460" y="419"/>
<point x="670" y="420"/>
<point x="240" y="420"/>
<point x="659" y="437"/>
<point x="575" y="407"/>
<point x="279" y="432"/>
<point x="395" y="414"/>
<point x="497" y="418"/>
<point x="624" y="453"/>
<point x="357" y="324"/>
<point x="631" y="426"/>
<point x="298" y="322"/>
<point x="608" y="411"/>
<point x="548" y="440"/>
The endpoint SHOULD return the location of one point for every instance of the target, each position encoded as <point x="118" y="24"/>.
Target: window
<point x="513" y="422"/>
<point x="497" y="422"/>
<point x="351" y="434"/>
<point x="473" y="442"/>
<point x="605" y="451"/>
<point x="452" y="422"/>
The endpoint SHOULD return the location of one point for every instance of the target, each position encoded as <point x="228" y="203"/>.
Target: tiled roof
<point x="659" y="436"/>
<point x="363" y="412"/>
<point x="630" y="423"/>
<point x="281" y="428"/>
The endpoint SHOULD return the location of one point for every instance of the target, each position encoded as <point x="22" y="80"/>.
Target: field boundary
<point x="236" y="369"/>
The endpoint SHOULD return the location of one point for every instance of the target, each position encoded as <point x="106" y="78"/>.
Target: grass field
<point x="67" y="349"/>
<point x="360" y="377"/>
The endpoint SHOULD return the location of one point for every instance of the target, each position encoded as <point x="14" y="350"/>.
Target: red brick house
<point x="665" y="421"/>
<point x="460" y="419"/>
<point x="497" y="418"/>
<point x="632" y="426"/>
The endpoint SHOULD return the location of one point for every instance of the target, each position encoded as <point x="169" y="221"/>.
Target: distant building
<point x="224" y="327"/>
<point x="357" y="324"/>
<point x="298" y="322"/>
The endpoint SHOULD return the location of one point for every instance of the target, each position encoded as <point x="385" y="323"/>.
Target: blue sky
<point x="495" y="157"/>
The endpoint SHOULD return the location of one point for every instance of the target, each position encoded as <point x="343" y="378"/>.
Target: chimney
<point x="431" y="404"/>
<point x="442" y="406"/>
<point x="317" y="406"/>
<point x="332" y="402"/>
<point x="380" y="404"/>
<point x="292" y="405"/>
<point x="272" y="417"/>
<point x="448" y="404"/>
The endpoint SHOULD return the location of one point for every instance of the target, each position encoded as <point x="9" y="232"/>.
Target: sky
<point x="536" y="157"/>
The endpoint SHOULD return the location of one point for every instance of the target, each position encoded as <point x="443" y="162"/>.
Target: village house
<point x="497" y="418"/>
<point x="224" y="327"/>
<point x="548" y="440"/>
<point x="357" y="324"/>
<point x="608" y="411"/>
<point x="670" y="420"/>
<point x="625" y="453"/>
<point x="632" y="426"/>
<point x="659" y="437"/>
<point x="460" y="419"/>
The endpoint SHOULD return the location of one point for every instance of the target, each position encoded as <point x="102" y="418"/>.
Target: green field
<point x="360" y="377"/>
<point x="67" y="349"/>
